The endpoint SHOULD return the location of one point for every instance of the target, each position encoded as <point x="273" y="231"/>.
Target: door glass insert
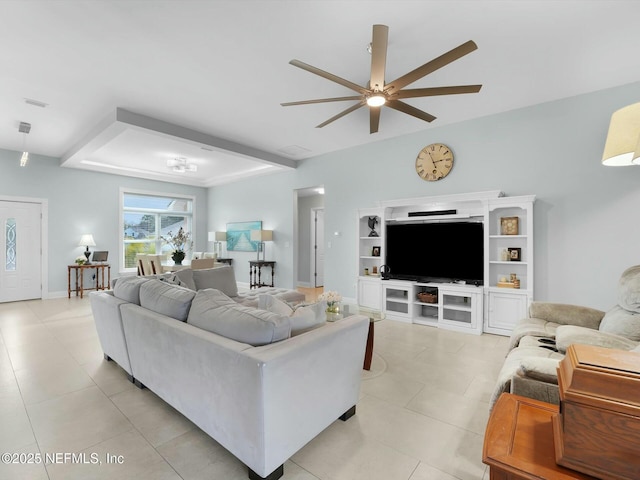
<point x="10" y="242"/>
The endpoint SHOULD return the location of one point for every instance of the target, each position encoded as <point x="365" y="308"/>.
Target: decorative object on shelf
<point x="505" y="255"/>
<point x="366" y="271"/>
<point x="515" y="254"/>
<point x="80" y="260"/>
<point x="239" y="236"/>
<point x="513" y="277"/>
<point x="374" y="270"/>
<point x="375" y="252"/>
<point x="261" y="236"/>
<point x="385" y="272"/>
<point x="509" y="226"/>
<point x="333" y="300"/>
<point x="87" y="241"/>
<point x="427" y="297"/>
<point x="516" y="283"/>
<point x="179" y="242"/>
<point x="434" y="162"/>
<point x="372" y="222"/>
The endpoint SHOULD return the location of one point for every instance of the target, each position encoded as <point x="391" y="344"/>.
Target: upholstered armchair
<point x="539" y="342"/>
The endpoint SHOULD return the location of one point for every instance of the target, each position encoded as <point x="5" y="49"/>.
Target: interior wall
<point x="305" y="204"/>
<point x="84" y="202"/>
<point x="584" y="215"/>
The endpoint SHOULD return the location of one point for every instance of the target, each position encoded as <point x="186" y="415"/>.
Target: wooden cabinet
<point x="518" y="441"/>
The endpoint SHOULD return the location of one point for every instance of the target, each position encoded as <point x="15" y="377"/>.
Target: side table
<point x="228" y="261"/>
<point x="79" y="277"/>
<point x="255" y="273"/>
<point x="519" y="444"/>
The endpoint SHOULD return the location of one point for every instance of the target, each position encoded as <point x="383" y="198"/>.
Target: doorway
<point x="309" y="260"/>
<point x="21" y="249"/>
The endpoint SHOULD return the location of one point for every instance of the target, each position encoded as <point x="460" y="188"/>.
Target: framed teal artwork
<point x="239" y="236"/>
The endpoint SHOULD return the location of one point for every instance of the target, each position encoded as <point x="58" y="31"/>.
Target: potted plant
<point x="178" y="241"/>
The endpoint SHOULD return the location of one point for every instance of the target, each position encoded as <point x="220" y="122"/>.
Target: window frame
<point x="122" y="211"/>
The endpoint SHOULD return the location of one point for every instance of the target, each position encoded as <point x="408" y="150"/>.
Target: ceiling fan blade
<point x="432" y="66"/>
<point x="409" y="110"/>
<point x="341" y="114"/>
<point x="378" y="56"/>
<point x="329" y="76"/>
<point x="322" y="100"/>
<point x="374" y="119"/>
<point x="431" y="92"/>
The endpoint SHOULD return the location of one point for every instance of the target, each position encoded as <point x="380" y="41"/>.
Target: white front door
<point x="20" y="251"/>
<point x="317" y="238"/>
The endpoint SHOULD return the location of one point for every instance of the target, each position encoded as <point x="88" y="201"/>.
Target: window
<point x="148" y="218"/>
<point x="10" y="243"/>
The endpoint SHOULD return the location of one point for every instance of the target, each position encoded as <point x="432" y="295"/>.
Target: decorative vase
<point x="177" y="257"/>
<point x="333" y="307"/>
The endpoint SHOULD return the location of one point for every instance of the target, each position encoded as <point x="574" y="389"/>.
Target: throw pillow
<point x="303" y="317"/>
<point x="170" y="300"/>
<point x="621" y="322"/>
<point x="128" y="288"/>
<point x="215" y="312"/>
<point x="171" y="278"/>
<point x="186" y="277"/>
<point x="629" y="289"/>
<point x="220" y="278"/>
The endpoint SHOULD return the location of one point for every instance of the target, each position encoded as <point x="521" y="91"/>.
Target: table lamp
<point x="261" y="236"/>
<point x="87" y="241"/>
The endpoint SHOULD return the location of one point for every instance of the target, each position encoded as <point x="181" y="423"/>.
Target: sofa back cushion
<point x="215" y="312"/>
<point x="128" y="288"/>
<point x="629" y="289"/>
<point x="186" y="278"/>
<point x="221" y="278"/>
<point x="621" y="322"/>
<point x="170" y="300"/>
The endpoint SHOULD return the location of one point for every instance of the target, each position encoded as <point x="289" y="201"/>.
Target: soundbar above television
<point x="439" y="252"/>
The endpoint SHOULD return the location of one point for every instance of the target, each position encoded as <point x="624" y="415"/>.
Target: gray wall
<point x="83" y="202"/>
<point x="305" y="204"/>
<point x="586" y="222"/>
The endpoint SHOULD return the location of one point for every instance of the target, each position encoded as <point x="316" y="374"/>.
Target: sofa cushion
<point x="220" y="278"/>
<point x="215" y="312"/>
<point x="629" y="289"/>
<point x="250" y="298"/>
<point x="170" y="300"/>
<point x="568" y="334"/>
<point x="128" y="288"/>
<point x="186" y="277"/>
<point x="621" y="322"/>
<point x="303" y="317"/>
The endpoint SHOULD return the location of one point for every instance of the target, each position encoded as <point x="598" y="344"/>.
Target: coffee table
<point x="348" y="309"/>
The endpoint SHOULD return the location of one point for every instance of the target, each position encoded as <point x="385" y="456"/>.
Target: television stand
<point x="456" y="307"/>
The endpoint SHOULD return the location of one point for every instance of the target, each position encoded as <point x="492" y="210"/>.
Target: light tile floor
<point x="421" y="415"/>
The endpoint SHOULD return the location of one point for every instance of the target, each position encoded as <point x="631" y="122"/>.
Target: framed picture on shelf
<point x="375" y="252"/>
<point x="515" y="254"/>
<point x="509" y="225"/>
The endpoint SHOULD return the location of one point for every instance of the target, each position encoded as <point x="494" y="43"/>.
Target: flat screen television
<point x="436" y="252"/>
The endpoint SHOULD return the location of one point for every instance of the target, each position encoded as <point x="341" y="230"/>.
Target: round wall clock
<point x="434" y="162"/>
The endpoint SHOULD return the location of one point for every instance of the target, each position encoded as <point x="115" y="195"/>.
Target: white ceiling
<point x="132" y="84"/>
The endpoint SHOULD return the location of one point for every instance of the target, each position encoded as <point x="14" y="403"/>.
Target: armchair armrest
<point x="568" y="334"/>
<point x="567" y="314"/>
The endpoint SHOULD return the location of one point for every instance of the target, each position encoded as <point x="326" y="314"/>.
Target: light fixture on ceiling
<point x="181" y="165"/>
<point x="376" y="100"/>
<point x="24" y="128"/>
<point x="623" y="139"/>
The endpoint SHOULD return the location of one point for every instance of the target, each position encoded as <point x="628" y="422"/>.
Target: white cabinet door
<point x="505" y="310"/>
<point x="370" y="294"/>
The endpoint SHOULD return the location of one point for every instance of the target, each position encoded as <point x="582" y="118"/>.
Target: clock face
<point x="434" y="162"/>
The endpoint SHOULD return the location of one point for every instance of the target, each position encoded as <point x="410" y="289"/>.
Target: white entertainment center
<point x="493" y="307"/>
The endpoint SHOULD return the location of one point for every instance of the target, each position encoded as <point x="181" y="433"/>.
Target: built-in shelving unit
<point x="493" y="307"/>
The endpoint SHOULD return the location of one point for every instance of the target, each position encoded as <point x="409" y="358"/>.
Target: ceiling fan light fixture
<point x="376" y="100"/>
<point x="180" y="165"/>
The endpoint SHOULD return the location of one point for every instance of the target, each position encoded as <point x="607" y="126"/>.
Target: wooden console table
<point x="255" y="272"/>
<point x="79" y="278"/>
<point x="228" y="261"/>
<point x="519" y="443"/>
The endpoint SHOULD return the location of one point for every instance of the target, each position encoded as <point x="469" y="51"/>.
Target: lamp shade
<point x="221" y="236"/>
<point x="87" y="241"/>
<point x="623" y="137"/>
<point x="261" y="235"/>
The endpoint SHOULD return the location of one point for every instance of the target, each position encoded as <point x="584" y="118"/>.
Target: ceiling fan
<point x="378" y="93"/>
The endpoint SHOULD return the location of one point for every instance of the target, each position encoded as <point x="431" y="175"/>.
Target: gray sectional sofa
<point x="539" y="342"/>
<point x="245" y="376"/>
